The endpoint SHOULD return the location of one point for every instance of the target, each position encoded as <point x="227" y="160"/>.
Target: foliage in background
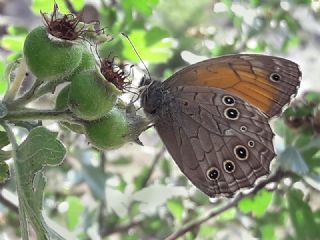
<point x="165" y="33"/>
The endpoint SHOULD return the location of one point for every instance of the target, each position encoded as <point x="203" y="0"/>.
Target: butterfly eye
<point x="251" y="143"/>
<point x="241" y="152"/>
<point x="229" y="166"/>
<point x="275" y="77"/>
<point x="228" y="100"/>
<point x="213" y="173"/>
<point x="231" y="113"/>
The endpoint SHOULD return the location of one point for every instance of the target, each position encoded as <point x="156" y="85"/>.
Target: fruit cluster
<point x="60" y="51"/>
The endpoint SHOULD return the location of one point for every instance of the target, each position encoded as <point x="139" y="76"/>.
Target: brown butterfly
<point x="213" y="117"/>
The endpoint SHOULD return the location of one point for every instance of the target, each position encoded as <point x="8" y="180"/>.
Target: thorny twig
<point x="189" y="227"/>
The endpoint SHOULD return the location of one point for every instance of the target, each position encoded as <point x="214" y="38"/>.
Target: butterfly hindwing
<point x="208" y="127"/>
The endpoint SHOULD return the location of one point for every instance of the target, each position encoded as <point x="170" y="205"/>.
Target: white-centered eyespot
<point x="251" y="143"/>
<point x="241" y="152"/>
<point x="228" y="100"/>
<point x="243" y="128"/>
<point x="229" y="166"/>
<point x="213" y="173"/>
<point x="231" y="113"/>
<point x="275" y="77"/>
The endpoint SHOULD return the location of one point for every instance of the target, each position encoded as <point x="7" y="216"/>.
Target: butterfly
<point x="213" y="117"/>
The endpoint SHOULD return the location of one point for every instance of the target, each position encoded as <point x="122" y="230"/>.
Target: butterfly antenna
<point x="135" y="50"/>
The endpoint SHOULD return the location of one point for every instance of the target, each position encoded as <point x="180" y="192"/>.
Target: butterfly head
<point x="152" y="97"/>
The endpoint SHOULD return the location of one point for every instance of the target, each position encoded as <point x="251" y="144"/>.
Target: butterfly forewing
<point x="266" y="82"/>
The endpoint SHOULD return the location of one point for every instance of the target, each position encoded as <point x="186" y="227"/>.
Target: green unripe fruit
<point x="62" y="98"/>
<point x="50" y="58"/>
<point x="62" y="104"/>
<point x="91" y="96"/>
<point x="88" y="61"/>
<point x="117" y="128"/>
<point x="108" y="132"/>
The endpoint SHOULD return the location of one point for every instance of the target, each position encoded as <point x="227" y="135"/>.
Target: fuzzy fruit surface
<point x="108" y="132"/>
<point x="51" y="58"/>
<point x="90" y="96"/>
<point x="62" y="98"/>
<point x="88" y="60"/>
<point x="62" y="104"/>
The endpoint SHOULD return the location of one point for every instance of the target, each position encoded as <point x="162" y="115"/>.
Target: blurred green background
<point x="138" y="192"/>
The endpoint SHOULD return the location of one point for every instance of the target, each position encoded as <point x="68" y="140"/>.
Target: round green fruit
<point x="91" y="96"/>
<point x="50" y="58"/>
<point x="108" y="132"/>
<point x="62" y="98"/>
<point x="62" y="104"/>
<point x="88" y="61"/>
<point x="117" y="128"/>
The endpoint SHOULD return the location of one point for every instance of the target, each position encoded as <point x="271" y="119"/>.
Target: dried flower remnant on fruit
<point x="65" y="26"/>
<point x="114" y="73"/>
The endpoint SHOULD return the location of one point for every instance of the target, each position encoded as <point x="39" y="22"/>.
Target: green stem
<point x="34" y="114"/>
<point x="15" y="85"/>
<point x="35" y="92"/>
<point x="27" y="97"/>
<point x="22" y="213"/>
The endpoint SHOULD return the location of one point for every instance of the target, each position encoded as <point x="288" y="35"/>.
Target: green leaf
<point x="228" y="215"/>
<point x="301" y="217"/>
<point x="156" y="227"/>
<point x="255" y="3"/>
<point x="13" y="43"/>
<point x="74" y="212"/>
<point x="9" y="70"/>
<point x="4" y="140"/>
<point x="175" y="207"/>
<point x="17" y="30"/>
<point x="165" y="166"/>
<point x="4" y="172"/>
<point x="3" y="80"/>
<point x="268" y="232"/>
<point x="207" y="231"/>
<point x="313" y="180"/>
<point x="312" y="96"/>
<point x="257" y="204"/>
<point x="121" y="161"/>
<point x="5" y="155"/>
<point x="138" y="180"/>
<point x="41" y="148"/>
<point x="145" y="7"/>
<point x="157" y="52"/>
<point x="223" y="49"/>
<point x="47" y="6"/>
<point x="96" y="178"/>
<point x="129" y="237"/>
<point x="291" y="160"/>
<point x="290" y="42"/>
<point x="155" y="35"/>
<point x="309" y="143"/>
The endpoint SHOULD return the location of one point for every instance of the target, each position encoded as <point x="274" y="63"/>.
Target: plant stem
<point x="194" y="225"/>
<point x="15" y="85"/>
<point x="22" y="214"/>
<point x="34" y="114"/>
<point x="26" y="97"/>
<point x="35" y="92"/>
<point x="152" y="167"/>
